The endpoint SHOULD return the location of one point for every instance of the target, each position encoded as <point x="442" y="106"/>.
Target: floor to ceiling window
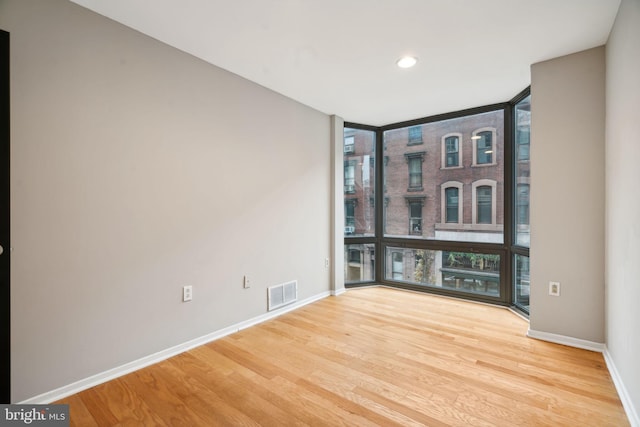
<point x="359" y="204"/>
<point x="522" y="181"/>
<point x="445" y="207"/>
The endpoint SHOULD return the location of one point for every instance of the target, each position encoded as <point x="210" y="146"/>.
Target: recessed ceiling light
<point x="407" y="61"/>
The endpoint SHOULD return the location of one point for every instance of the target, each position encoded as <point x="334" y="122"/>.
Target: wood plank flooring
<point x="370" y="357"/>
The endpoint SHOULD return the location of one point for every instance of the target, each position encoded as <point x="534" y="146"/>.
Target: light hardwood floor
<point x="370" y="357"/>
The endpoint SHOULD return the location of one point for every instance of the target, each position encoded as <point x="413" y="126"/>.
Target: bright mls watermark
<point x="34" y="415"/>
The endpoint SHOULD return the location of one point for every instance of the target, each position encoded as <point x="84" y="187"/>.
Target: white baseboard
<point x="627" y="403"/>
<point x="565" y="340"/>
<point x="78" y="386"/>
<point x="337" y="292"/>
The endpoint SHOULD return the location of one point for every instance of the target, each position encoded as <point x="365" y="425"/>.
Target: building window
<point x="350" y="177"/>
<point x="349" y="144"/>
<point x="451" y="200"/>
<point x="484" y="146"/>
<point x="415" y="135"/>
<point x="349" y="216"/>
<point x="522" y="204"/>
<point x="451" y="151"/>
<point x="396" y="266"/>
<point x="484" y="201"/>
<point x="414" y="160"/>
<point x="354" y="256"/>
<point x="523" y="137"/>
<point x="415" y="217"/>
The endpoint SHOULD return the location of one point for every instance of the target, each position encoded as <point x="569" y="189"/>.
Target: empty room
<point x="288" y="212"/>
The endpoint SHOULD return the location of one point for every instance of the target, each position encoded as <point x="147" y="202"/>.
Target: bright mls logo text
<point x="48" y="415"/>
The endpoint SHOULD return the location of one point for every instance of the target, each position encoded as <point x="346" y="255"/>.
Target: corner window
<point x="442" y="191"/>
<point x="522" y="178"/>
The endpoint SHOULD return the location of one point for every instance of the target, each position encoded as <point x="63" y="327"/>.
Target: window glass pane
<point x="521" y="282"/>
<point x="452" y="151"/>
<point x="522" y="204"/>
<point x="415" y="217"/>
<point x="415" y="172"/>
<point x="359" y="182"/>
<point x="452" y="204"/>
<point x="484" y="204"/>
<point x="460" y="271"/>
<point x="484" y="147"/>
<point x="425" y="170"/>
<point x="359" y="263"/>
<point x="415" y="135"/>
<point x="522" y="172"/>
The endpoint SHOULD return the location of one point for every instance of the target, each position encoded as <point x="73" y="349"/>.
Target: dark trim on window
<point x="506" y="250"/>
<point x="445" y="116"/>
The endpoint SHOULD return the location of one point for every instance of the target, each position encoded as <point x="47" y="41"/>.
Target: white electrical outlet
<point x="187" y="293"/>
<point x="554" y="289"/>
<point x="247" y="282"/>
<point x="326" y="262"/>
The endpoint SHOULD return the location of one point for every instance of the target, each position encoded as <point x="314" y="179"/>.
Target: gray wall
<point x="623" y="197"/>
<point x="137" y="169"/>
<point x="567" y="195"/>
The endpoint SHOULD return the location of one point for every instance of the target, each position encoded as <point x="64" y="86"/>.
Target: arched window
<point x="451" y="154"/>
<point x="484" y="197"/>
<point x="484" y="146"/>
<point x="451" y="202"/>
<point x="484" y="201"/>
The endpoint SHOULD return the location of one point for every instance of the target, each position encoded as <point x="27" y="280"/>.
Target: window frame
<point x="474" y="143"/>
<point x="444" y="204"/>
<point x="483" y="183"/>
<point x="445" y="153"/>
<point x="411" y="203"/>
<point x="414" y="158"/>
<point x="506" y="249"/>
<point x="412" y="139"/>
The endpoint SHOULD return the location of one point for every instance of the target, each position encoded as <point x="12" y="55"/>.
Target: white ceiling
<point x="338" y="56"/>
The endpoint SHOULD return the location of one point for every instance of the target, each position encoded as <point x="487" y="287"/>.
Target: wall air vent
<point x="281" y="295"/>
